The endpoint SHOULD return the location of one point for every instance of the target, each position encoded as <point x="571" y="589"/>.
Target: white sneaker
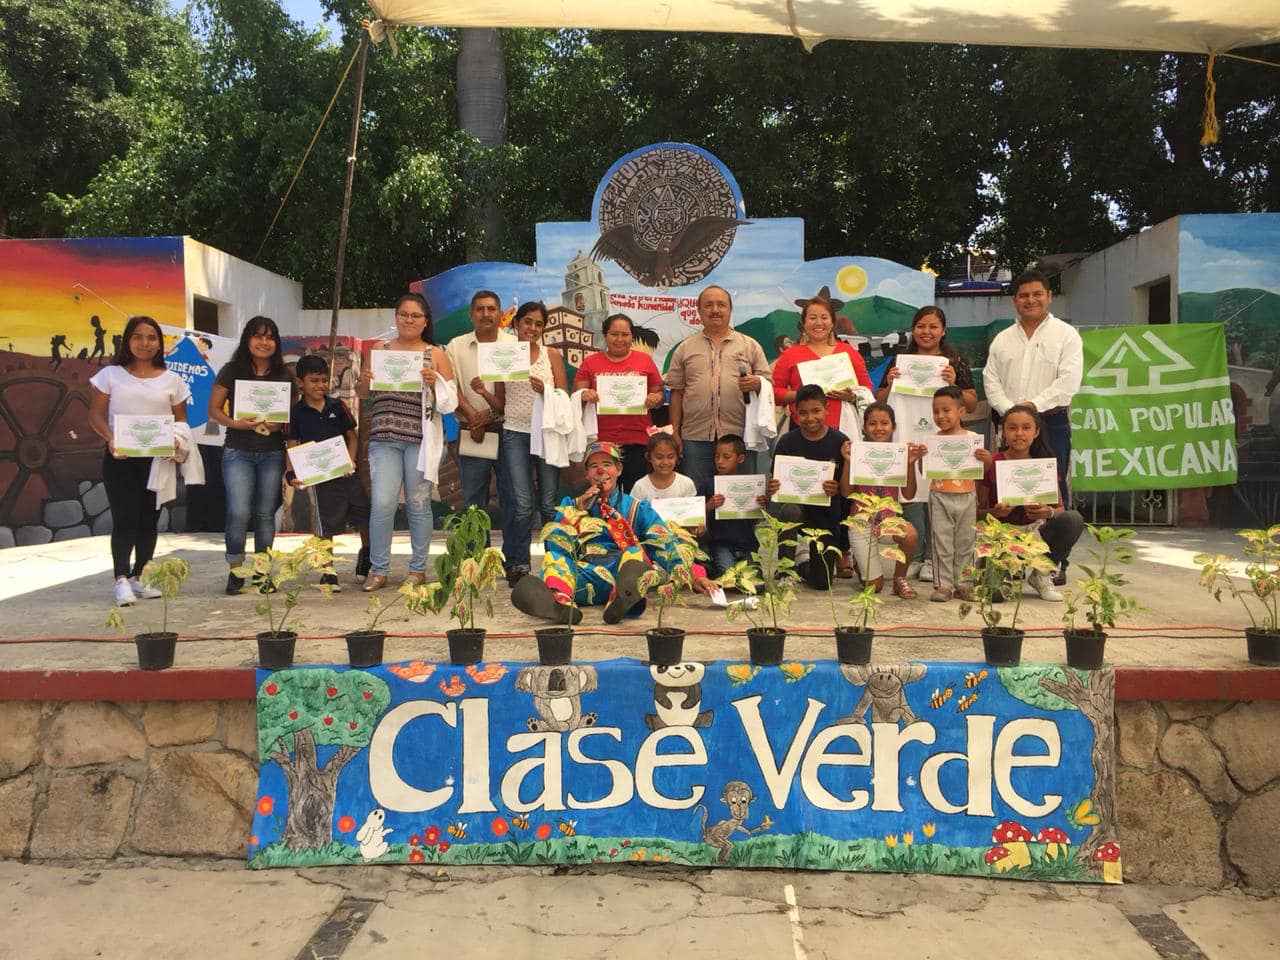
<point x="143" y="592"/>
<point x="124" y="593"/>
<point x="926" y="572"/>
<point x="913" y="570"/>
<point x="1042" y="585"/>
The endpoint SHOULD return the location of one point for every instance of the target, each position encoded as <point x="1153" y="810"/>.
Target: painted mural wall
<point x="1229" y="273"/>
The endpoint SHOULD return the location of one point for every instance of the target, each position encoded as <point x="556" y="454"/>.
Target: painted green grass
<point x="803" y="851"/>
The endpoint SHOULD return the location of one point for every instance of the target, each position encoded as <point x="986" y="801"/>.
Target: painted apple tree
<point x="302" y="710"/>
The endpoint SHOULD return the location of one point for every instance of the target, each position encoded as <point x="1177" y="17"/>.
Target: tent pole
<point x="346" y="207"/>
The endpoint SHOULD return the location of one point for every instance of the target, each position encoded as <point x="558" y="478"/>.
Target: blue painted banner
<point x="922" y="767"/>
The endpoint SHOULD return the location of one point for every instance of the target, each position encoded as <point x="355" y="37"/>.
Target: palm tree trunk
<point x="482" y="112"/>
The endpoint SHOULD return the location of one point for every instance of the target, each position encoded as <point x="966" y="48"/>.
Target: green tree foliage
<point x="334" y="707"/>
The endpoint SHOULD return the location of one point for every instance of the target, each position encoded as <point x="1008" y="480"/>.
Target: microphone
<point x="744" y="370"/>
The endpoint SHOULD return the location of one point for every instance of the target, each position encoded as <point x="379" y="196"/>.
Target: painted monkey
<point x="738" y="797"/>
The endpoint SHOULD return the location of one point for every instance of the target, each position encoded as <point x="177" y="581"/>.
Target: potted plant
<point x="283" y="575"/>
<point x="467" y="576"/>
<point x="666" y="643"/>
<point x="364" y="647"/>
<point x="1008" y="554"/>
<point x="1098" y="592"/>
<point x="772" y="578"/>
<point x="573" y="532"/>
<point x="873" y="517"/>
<point x="155" y="647"/>
<point x="1262" y="569"/>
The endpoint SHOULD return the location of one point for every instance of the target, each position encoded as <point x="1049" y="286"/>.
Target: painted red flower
<point x="500" y="826"/>
<point x="415" y="840"/>
<point x="431" y="835"/>
<point x="415" y="856"/>
<point x="266" y="805"/>
<point x="543" y="831"/>
<point x="444" y="845"/>
<point x="346" y="824"/>
<point x="626" y="843"/>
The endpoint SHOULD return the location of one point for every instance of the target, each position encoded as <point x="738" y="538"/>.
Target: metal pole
<point x="346" y="207"/>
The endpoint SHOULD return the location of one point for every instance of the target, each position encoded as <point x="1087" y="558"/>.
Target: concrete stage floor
<point x="56" y="597"/>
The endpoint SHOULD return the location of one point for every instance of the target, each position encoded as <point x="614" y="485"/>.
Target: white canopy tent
<point x="1190" y="26"/>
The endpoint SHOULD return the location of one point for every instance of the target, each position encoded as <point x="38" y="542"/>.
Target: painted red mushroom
<point x="998" y="857"/>
<point x="1056" y="842"/>
<point x="1015" y="837"/>
<point x="1108" y="855"/>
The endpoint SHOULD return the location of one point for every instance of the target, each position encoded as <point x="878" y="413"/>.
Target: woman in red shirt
<point x="817" y="340"/>
<point x="628" y="431"/>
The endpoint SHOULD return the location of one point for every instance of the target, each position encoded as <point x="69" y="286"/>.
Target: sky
<point x="308" y="12"/>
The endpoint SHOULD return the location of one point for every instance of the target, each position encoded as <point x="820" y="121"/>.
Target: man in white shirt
<point x="1038" y="361"/>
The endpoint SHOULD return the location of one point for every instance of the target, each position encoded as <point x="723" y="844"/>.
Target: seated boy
<point x="343" y="500"/>
<point x="727" y="541"/>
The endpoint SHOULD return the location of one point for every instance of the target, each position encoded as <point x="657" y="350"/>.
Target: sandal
<point x="903" y="589"/>
<point x="374" y="581"/>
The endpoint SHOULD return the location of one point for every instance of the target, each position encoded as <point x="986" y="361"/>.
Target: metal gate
<point x="1131" y="508"/>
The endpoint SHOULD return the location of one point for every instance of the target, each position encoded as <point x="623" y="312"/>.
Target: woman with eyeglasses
<point x="406" y="443"/>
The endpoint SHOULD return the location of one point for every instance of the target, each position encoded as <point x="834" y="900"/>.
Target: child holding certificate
<point x="1024" y="439"/>
<point x="953" y="509"/>
<point x="662" y="481"/>
<point x="135" y="382"/>
<point x="814" y="440"/>
<point x="878" y="425"/>
<point x="727" y="541"/>
<point x="342" y="500"/>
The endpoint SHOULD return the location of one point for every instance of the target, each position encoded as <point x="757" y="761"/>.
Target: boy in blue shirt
<point x="342" y="500"/>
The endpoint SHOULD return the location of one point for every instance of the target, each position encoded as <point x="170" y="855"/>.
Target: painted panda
<point x="677" y="697"/>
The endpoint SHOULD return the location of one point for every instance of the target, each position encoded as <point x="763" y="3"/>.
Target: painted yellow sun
<point x="851" y="280"/>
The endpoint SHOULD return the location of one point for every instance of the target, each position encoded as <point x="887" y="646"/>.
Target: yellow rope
<point x="314" y="137"/>
<point x="1210" y="134"/>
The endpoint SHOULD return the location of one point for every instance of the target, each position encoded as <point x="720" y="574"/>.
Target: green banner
<point x="1154" y="410"/>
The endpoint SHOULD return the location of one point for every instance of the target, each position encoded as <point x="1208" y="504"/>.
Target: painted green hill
<point x="1252" y="319"/>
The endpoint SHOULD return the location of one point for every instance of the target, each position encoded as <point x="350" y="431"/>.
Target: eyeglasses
<point x="411" y="316"/>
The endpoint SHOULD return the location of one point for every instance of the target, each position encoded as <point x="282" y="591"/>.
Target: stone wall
<point x="85" y="516"/>
<point x="1198" y="792"/>
<point x="1197" y="785"/>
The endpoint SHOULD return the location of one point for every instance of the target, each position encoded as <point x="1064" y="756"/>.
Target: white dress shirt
<point x="1044" y="368"/>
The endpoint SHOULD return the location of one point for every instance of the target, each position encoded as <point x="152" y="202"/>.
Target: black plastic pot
<point x="1085" y="648"/>
<point x="1264" y="646"/>
<point x="155" y="650"/>
<point x="465" y="646"/>
<point x="555" y="645"/>
<point x="364" y="647"/>
<point x="853" y="644"/>
<point x="666" y="646"/>
<point x="766" y="645"/>
<point x="275" y="650"/>
<point x="1002" y="647"/>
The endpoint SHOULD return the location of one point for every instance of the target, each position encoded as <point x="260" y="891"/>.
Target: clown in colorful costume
<point x="605" y="541"/>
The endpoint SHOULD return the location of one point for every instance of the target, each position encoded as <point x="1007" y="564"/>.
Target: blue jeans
<point x="724" y="556"/>
<point x="917" y="514"/>
<point x="698" y="462"/>
<point x="393" y="466"/>
<point x="473" y="477"/>
<point x="252" y="481"/>
<point x="520" y="508"/>
<point x="1057" y="427"/>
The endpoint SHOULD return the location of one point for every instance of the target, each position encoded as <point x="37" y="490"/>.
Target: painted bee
<point x="972" y="679"/>
<point x="569" y="828"/>
<point x="458" y="830"/>
<point x="939" y="697"/>
<point x="966" y="702"/>
<point x="521" y="821"/>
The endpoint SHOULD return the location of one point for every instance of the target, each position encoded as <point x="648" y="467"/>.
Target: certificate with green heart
<point x="832" y="372"/>
<point x="266" y="400"/>
<point x="952" y="457"/>
<point x="800" y="480"/>
<point x="878" y="464"/>
<point x="622" y="394"/>
<point x="689" y="512"/>
<point x="918" y="375"/>
<point x="506" y="360"/>
<point x="320" y="460"/>
<point x="1019" y="482"/>
<point x="398" y="371"/>
<point x="741" y="493"/>
<point x="135" y="435"/>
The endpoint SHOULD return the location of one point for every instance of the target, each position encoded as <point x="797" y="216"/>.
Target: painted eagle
<point x="656" y="268"/>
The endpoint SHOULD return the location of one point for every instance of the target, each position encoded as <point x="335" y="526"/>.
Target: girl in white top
<point x="135" y="382"/>
<point x="662" y="482"/>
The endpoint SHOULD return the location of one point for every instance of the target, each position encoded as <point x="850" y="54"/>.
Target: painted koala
<point x="677" y="697"/>
<point x="557" y="696"/>
<point x="884" y="693"/>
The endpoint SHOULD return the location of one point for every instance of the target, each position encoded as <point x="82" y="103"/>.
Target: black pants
<point x="134" y="514"/>
<point x="1061" y="533"/>
<point x="819" y="572"/>
<point x="634" y="465"/>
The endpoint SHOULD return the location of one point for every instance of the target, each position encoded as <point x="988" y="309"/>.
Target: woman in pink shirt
<point x="817" y="340"/>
